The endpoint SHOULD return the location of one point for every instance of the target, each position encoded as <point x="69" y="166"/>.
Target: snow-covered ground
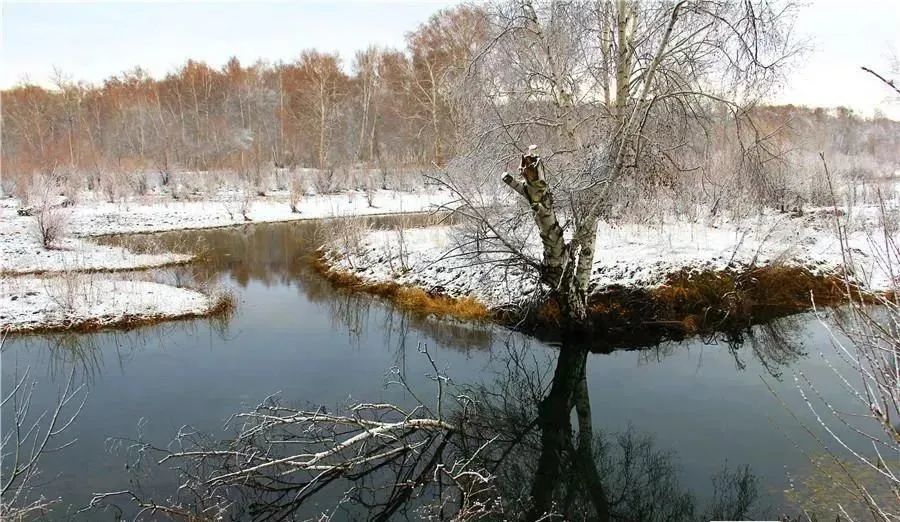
<point x="161" y="213"/>
<point x="28" y="303"/>
<point x="628" y="255"/>
<point x="21" y="253"/>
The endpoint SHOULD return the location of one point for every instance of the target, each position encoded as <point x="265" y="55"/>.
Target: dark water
<point x="704" y="402"/>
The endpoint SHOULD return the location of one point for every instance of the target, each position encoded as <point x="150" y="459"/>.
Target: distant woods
<point x="392" y="109"/>
<point x="397" y="110"/>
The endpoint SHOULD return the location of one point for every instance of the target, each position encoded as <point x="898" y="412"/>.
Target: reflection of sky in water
<point x="295" y="336"/>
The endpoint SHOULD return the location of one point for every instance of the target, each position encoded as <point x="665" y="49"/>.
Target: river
<point x="704" y="402"/>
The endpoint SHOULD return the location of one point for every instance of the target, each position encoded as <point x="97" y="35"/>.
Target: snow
<point x="158" y="214"/>
<point x="22" y="253"/>
<point x="28" y="303"/>
<point x="628" y="255"/>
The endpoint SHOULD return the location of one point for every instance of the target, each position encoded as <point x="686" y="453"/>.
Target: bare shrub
<point x="370" y="192"/>
<point x="17" y="185"/>
<point x="211" y="182"/>
<point x="297" y="189"/>
<point x="50" y="214"/>
<point x="323" y="181"/>
<point x="238" y="202"/>
<point x="70" y="184"/>
<point x="66" y="291"/>
<point x="139" y="183"/>
<point x="350" y="235"/>
<point x="866" y="344"/>
<point x="190" y="184"/>
<point x="257" y="181"/>
<point x="112" y="185"/>
<point x="165" y="174"/>
<point x="402" y="246"/>
<point x="246" y="201"/>
<point x="282" y="178"/>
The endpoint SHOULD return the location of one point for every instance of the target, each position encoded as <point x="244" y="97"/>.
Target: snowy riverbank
<point x="22" y="252"/>
<point x="29" y="302"/>
<point x="627" y="255"/>
<point x="57" y="303"/>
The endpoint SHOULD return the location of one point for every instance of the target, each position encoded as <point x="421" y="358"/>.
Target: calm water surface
<point x="704" y="401"/>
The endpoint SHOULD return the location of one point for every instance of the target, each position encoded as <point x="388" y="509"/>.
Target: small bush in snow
<point x="296" y="191"/>
<point x="50" y="209"/>
<point x="323" y="181"/>
<point x="50" y="221"/>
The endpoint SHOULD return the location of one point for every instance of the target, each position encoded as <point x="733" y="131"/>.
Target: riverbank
<point x="671" y="280"/>
<point x="80" y="304"/>
<point x="35" y="277"/>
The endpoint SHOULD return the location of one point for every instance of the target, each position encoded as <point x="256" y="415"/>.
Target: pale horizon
<point x="92" y="41"/>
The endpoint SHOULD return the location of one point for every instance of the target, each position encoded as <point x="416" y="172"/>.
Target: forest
<point x="389" y="111"/>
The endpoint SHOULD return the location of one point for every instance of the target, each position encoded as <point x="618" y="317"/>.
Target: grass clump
<point x="733" y="298"/>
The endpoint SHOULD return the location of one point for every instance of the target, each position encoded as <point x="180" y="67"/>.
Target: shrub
<point x="50" y="223"/>
<point x="49" y="211"/>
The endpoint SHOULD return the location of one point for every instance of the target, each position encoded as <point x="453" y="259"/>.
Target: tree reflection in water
<point x="88" y="354"/>
<point x="508" y="449"/>
<point x="577" y="473"/>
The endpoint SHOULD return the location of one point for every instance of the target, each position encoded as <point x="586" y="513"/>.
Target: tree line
<point x="415" y="107"/>
<point x="391" y="109"/>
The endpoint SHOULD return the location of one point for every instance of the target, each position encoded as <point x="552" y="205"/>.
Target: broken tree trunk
<point x="565" y="267"/>
<point x="533" y="187"/>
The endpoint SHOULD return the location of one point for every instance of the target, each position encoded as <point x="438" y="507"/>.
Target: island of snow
<point x="56" y="303"/>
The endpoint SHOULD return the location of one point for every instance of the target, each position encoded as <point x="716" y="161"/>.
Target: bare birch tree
<point x="607" y="92"/>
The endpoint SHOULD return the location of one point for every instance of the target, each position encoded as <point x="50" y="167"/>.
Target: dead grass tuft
<point x="224" y="304"/>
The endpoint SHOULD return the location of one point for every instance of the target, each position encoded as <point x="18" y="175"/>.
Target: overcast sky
<point x="91" y="41"/>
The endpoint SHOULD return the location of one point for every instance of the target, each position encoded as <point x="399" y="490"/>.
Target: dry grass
<point x="224" y="304"/>
<point x="410" y="298"/>
<point x="700" y="301"/>
<point x="694" y="302"/>
<point x="713" y="300"/>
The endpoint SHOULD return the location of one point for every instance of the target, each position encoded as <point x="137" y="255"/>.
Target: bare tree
<point x="296" y="189"/>
<point x="607" y="91"/>
<point x="49" y="211"/>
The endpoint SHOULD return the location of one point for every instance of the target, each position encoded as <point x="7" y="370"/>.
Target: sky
<point x="92" y="40"/>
